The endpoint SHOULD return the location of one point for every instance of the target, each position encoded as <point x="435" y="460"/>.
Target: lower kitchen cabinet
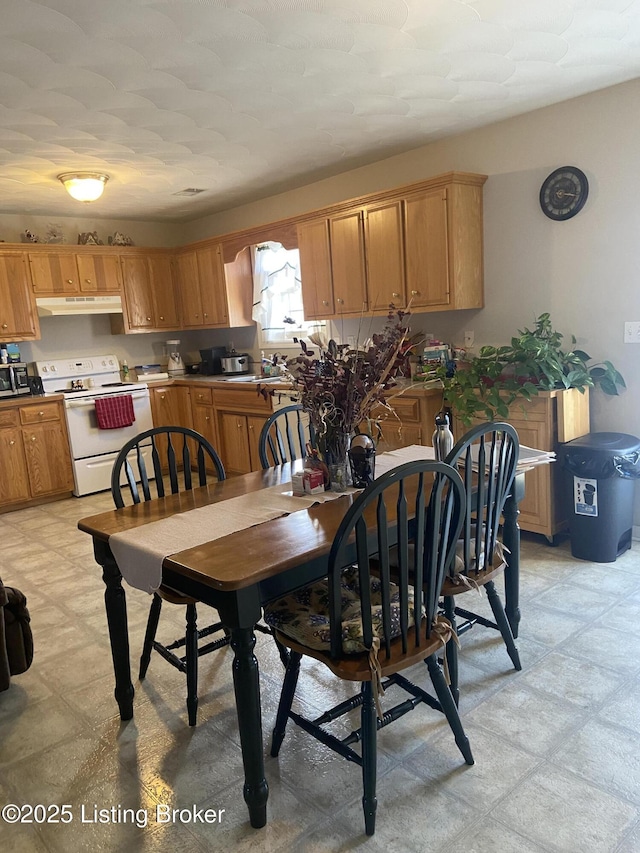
<point x="35" y="459"/>
<point x="411" y="419"/>
<point x="170" y="406"/>
<point x="204" y="417"/>
<point x="241" y="414"/>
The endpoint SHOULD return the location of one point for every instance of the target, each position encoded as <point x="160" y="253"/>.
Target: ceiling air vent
<point x="189" y="192"/>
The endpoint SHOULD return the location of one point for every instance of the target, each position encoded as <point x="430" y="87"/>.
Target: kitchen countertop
<point x="405" y="387"/>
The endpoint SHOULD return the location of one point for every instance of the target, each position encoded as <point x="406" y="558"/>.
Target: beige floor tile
<point x="600" y="752"/>
<point x="578" y="601"/>
<point x="38" y="726"/>
<point x="581" y="683"/>
<point x="498" y="767"/>
<point x="623" y="707"/>
<point x="529" y="720"/>
<point x="489" y="836"/>
<point x="560" y="812"/>
<point x="599" y="644"/>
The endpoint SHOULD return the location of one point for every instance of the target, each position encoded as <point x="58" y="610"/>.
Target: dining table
<point x="239" y="572"/>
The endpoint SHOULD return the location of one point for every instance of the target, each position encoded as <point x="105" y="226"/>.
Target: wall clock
<point x="563" y="193"/>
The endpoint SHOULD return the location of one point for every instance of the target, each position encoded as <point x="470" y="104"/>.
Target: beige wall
<point x="584" y="271"/>
<point x="13" y="226"/>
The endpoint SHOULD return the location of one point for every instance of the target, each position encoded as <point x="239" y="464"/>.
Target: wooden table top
<point x="243" y="558"/>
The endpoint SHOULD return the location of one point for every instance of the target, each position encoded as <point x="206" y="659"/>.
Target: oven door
<point x="87" y="439"/>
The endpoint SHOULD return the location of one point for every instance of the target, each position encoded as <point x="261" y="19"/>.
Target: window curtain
<point x="276" y="286"/>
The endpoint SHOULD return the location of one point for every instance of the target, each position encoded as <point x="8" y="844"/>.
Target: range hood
<point x="60" y="306"/>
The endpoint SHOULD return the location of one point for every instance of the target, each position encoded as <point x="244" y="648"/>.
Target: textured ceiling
<point x="243" y="98"/>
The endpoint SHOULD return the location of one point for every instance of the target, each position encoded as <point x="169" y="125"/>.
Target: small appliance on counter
<point x="210" y="365"/>
<point x="235" y="363"/>
<point x="175" y="364"/>
<point x="14" y="380"/>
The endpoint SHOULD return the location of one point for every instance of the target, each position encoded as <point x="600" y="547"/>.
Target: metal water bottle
<point x="442" y="437"/>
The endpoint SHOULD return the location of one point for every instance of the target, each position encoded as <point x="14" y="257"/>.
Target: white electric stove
<point x="82" y="380"/>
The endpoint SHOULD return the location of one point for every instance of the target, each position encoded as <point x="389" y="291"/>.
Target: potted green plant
<point x="486" y="385"/>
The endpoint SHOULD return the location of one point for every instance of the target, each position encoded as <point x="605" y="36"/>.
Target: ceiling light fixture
<point x="84" y="186"/>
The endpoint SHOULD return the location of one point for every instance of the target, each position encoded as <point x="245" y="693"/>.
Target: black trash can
<point x="600" y="470"/>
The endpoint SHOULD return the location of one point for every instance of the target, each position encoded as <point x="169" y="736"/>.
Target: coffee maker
<point x="211" y="360"/>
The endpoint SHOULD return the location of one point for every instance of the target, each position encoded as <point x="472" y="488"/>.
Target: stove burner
<point x="116" y="385"/>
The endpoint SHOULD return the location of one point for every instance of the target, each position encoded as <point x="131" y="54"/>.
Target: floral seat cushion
<point x="304" y="615"/>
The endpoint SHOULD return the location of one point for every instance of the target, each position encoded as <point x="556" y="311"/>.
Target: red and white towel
<point x="115" y="412"/>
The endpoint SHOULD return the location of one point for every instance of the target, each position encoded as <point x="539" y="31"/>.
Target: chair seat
<point x="303" y="616"/>
<point x="357" y="667"/>
<point x="456" y="585"/>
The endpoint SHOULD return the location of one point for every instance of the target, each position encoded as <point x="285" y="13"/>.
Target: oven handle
<point x="91" y="401"/>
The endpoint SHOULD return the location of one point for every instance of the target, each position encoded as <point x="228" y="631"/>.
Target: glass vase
<point x="337" y="460"/>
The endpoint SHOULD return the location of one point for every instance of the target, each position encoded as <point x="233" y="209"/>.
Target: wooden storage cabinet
<point x="544" y="422"/>
<point x="419" y="245"/>
<point x="150" y="298"/>
<point x="35" y="459"/>
<point x="240" y="417"/>
<point x="203" y="415"/>
<point x="18" y="317"/>
<point x="67" y="273"/>
<point x="415" y="421"/>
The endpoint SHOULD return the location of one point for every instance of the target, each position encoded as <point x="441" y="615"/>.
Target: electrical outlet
<point x="469" y="338"/>
<point x="632" y="333"/>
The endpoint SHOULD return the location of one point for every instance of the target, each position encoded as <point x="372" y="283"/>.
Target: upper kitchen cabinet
<point x="150" y="298"/>
<point x="443" y="245"/>
<point x="315" y="269"/>
<point x="418" y="245"/>
<point x="68" y="273"/>
<point x="18" y="317"/>
<point x="212" y="293"/>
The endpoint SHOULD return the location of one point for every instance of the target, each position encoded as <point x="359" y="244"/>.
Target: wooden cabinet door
<point x="234" y="440"/>
<point x="54" y="274"/>
<point x="48" y="458"/>
<point x="188" y="285"/>
<point x="14" y="482"/>
<point x="170" y="406"/>
<point x="348" y="264"/>
<point x="254" y="428"/>
<point x="426" y="245"/>
<point x="384" y="245"/>
<point x="137" y="292"/>
<point x="315" y="269"/>
<point x="99" y="274"/>
<point x="165" y="302"/>
<point x="204" y="422"/>
<point x="213" y="291"/>
<point x="18" y="318"/>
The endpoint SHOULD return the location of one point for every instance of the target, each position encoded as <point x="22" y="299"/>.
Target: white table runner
<point x="141" y="551"/>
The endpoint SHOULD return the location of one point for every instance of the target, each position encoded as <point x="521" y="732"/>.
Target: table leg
<point x="511" y="536"/>
<point x="116" y="607"/>
<point x="246" y="684"/>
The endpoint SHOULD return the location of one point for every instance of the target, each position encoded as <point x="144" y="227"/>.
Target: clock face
<point x="564" y="193"/>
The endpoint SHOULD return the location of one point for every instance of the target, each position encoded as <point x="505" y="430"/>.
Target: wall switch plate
<point x="469" y="338"/>
<point x="632" y="333"/>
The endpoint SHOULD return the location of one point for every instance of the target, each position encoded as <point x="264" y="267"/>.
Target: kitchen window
<point x="277" y="297"/>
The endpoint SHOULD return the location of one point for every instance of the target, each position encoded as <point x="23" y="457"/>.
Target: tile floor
<point x="557" y="746"/>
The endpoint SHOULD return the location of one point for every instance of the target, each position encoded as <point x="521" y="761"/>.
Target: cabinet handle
<point x="239" y="425"/>
<point x="161" y="317"/>
<point x="207" y="418"/>
<point x="88" y="280"/>
<point x="415" y="293"/>
<point x="69" y="281"/>
<point x="33" y="438"/>
<point x="41" y="414"/>
<point x="396" y="295"/>
<point x="324" y="302"/>
<point x="148" y="319"/>
<point x="196" y="316"/>
<point x="251" y="427"/>
<point x="200" y="396"/>
<point x="12" y="442"/>
<point x="162" y="396"/>
<point x="205" y="316"/>
<point x="4" y="326"/>
<point x="340" y="301"/>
